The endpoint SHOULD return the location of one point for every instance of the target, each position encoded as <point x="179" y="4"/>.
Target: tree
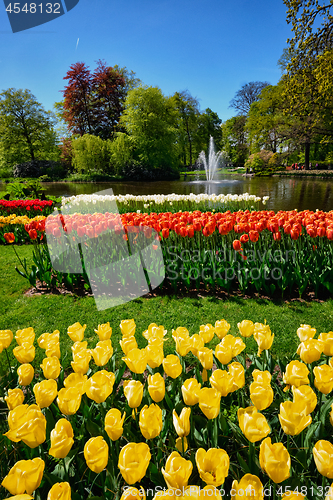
<point x="247" y="95"/>
<point x="90" y="154"/>
<point x="94" y="102"/>
<point x="187" y="124"/>
<point x="26" y="129"/>
<point x="209" y="126"/>
<point x="150" y="121"/>
<point x="234" y="139"/>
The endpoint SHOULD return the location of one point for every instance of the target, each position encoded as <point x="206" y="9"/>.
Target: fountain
<point x="211" y="162"/>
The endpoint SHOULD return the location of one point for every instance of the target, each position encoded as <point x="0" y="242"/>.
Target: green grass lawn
<point x="46" y="313"/>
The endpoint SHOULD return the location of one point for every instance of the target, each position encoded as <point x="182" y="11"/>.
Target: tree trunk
<point x="307" y="155"/>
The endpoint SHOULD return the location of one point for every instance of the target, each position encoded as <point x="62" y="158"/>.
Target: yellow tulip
<point x="327" y="340"/>
<point x="104" y="332"/>
<point x="127" y="327"/>
<point x="172" y="366"/>
<point x="237" y="372"/>
<point x="102" y="352"/>
<point x="114" y="424"/>
<point x="305" y="332"/>
<point x="25" y="336"/>
<point x="181" y="444"/>
<point x="46" y="338"/>
<point x="261" y="395"/>
<point x="263" y="337"/>
<point x="323" y="378"/>
<point x="6" y="337"/>
<point x="133" y="390"/>
<point x="177" y="471"/>
<point x="274" y="460"/>
<point x="154" y="332"/>
<point x="249" y="486"/>
<point x="62" y="439"/>
<point x="190" y="391"/>
<point x="253" y="424"/>
<point x="26" y="374"/>
<point x="60" y="491"/>
<point x="197" y="343"/>
<point x="213" y="465"/>
<point x="133" y="494"/>
<point x="136" y="360"/>
<point x="323" y="457"/>
<point x="156" y="387"/>
<point x="76" y="380"/>
<point x="329" y="495"/>
<point x="296" y="374"/>
<point x="180" y="332"/>
<point x="155" y="355"/>
<point x="45" y="392"/>
<point x="24" y="353"/>
<point x="293" y="418"/>
<point x="69" y="400"/>
<point x="228" y="348"/>
<point x="79" y="347"/>
<point x="51" y="367"/>
<point x="81" y="361"/>
<point x="306" y="396"/>
<point x="15" y="398"/>
<point x="331" y="415"/>
<point x="96" y="454"/>
<point x="262" y="377"/>
<point x="24" y="477"/>
<point x="21" y="497"/>
<point x="246" y="328"/>
<point x="127" y="344"/>
<point x="205" y="356"/>
<point x="100" y="386"/>
<point x="190" y="493"/>
<point x="293" y="495"/>
<point x="133" y="461"/>
<point x="76" y="332"/>
<point x="53" y="349"/>
<point x="151" y="421"/>
<point x="207" y="332"/>
<point x="221" y="328"/>
<point x="27" y="423"/>
<point x="183" y="345"/>
<point x="182" y="422"/>
<point x="222" y="381"/>
<point x="310" y="350"/>
<point x="209" y="402"/>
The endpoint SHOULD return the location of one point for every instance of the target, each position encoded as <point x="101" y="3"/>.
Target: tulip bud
<point x="156" y="387"/>
<point x="177" y="471"/>
<point x="261" y="395"/>
<point x="104" y="332"/>
<point x="45" y="392"/>
<point x="96" y="454"/>
<point x="213" y="465"/>
<point x="81" y="361"/>
<point x="133" y="461"/>
<point x="114" y="424"/>
<point x="25" y="373"/>
<point x="155" y="355"/>
<point x="151" y="421"/>
<point x="102" y="352"/>
<point x="221" y="328"/>
<point x="127" y="327"/>
<point x="205" y="356"/>
<point x="24" y="477"/>
<point x="274" y="460"/>
<point x="263" y="337"/>
<point x="246" y="328"/>
<point x="61" y="439"/>
<point x="182" y="423"/>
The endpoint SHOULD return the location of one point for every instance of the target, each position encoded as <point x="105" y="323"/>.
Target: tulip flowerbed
<point x="30" y="208"/>
<point x="223" y="423"/>
<point x="253" y="251"/>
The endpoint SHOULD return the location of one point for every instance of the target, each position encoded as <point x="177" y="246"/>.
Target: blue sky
<point x="209" y="47"/>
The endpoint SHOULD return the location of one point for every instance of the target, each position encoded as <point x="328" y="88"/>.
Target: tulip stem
<point x="10" y="368"/>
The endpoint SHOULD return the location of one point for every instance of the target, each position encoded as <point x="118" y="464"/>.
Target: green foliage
<point x="150" y="120"/>
<point x="91" y="154"/>
<point x="234" y="139"/>
<point x="26" y="129"/>
<point x="121" y="151"/>
<point x="264" y="162"/>
<point x="30" y="189"/>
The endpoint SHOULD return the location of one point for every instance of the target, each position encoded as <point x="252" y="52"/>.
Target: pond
<point x="284" y="193"/>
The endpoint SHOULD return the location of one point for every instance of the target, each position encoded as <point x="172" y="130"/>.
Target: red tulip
<point x="9" y="237"/>
<point x="237" y="245"/>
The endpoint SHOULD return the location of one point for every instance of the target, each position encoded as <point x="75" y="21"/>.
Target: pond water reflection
<point x="284" y="193"/>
